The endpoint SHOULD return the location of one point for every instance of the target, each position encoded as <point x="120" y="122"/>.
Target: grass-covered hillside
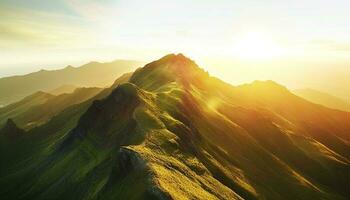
<point x="171" y="131"/>
<point x="40" y="107"/>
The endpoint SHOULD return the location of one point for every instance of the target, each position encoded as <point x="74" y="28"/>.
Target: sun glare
<point x="256" y="46"/>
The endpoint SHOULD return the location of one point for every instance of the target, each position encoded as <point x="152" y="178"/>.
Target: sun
<point x="255" y="45"/>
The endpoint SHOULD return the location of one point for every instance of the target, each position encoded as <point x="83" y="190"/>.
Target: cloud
<point x="23" y="27"/>
<point x="94" y="10"/>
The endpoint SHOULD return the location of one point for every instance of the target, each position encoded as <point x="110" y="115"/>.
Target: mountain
<point x="63" y="89"/>
<point x="23" y="105"/>
<point x="171" y="131"/>
<point x="40" y="107"/>
<point x="93" y="74"/>
<point x="28" y="115"/>
<point x="11" y="130"/>
<point x="323" y="99"/>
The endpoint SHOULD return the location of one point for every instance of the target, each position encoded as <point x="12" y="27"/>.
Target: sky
<point x="297" y="43"/>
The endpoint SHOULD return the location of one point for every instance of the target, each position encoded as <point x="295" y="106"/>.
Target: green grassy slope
<point x="24" y="154"/>
<point x="174" y="132"/>
<point x="23" y="105"/>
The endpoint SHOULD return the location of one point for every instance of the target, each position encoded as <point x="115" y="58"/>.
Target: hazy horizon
<point x="228" y="78"/>
<point x="298" y="44"/>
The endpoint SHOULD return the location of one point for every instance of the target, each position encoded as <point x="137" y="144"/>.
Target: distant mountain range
<point x="93" y="74"/>
<point x="63" y="89"/>
<point x="169" y="130"/>
<point x="40" y="107"/>
<point x="324" y="99"/>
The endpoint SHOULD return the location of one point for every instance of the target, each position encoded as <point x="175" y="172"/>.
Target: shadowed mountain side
<point x="40" y="107"/>
<point x="93" y="74"/>
<point x="37" y="113"/>
<point x="11" y="130"/>
<point x="23" y="105"/>
<point x="323" y="99"/>
<point x="174" y="132"/>
<point x="25" y="154"/>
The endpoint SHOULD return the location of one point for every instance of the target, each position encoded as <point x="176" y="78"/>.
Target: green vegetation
<point x="40" y="107"/>
<point x="174" y="132"/>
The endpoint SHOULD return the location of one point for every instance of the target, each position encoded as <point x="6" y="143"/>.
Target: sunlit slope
<point x="330" y="127"/>
<point x="93" y="74"/>
<point x="174" y="132"/>
<point x="323" y="99"/>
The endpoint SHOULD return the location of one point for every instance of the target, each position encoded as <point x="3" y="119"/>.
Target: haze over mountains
<point x="63" y="89"/>
<point x="171" y="131"/>
<point x="324" y="99"/>
<point x="40" y="107"/>
<point x="93" y="74"/>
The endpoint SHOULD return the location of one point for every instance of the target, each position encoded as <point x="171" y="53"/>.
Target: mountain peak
<point x="177" y="58"/>
<point x="269" y="83"/>
<point x="170" y="68"/>
<point x="264" y="86"/>
<point x="69" y="67"/>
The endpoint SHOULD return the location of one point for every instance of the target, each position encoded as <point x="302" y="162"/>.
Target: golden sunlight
<point x="255" y="45"/>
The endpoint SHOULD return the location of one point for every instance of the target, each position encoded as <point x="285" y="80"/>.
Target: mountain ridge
<point x="174" y="132"/>
<point x="92" y="74"/>
<point x="39" y="107"/>
<point x="324" y="99"/>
